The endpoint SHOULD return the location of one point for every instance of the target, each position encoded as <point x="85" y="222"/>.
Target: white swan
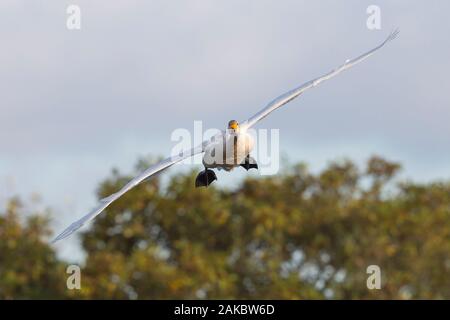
<point x="227" y="150"/>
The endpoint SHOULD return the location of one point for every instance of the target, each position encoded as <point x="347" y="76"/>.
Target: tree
<point x="297" y="235"/>
<point x="29" y="268"/>
<point x="293" y="236"/>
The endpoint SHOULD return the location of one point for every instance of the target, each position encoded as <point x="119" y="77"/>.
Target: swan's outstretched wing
<point x="288" y="96"/>
<point x="143" y="176"/>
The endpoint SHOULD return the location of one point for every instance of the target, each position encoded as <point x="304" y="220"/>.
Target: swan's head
<point x="233" y="125"/>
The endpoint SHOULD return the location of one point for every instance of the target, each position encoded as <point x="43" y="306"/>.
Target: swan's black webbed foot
<point x="205" y="178"/>
<point x="249" y="163"/>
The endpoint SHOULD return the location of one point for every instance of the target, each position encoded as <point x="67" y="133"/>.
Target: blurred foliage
<point x="29" y="268"/>
<point x="297" y="235"/>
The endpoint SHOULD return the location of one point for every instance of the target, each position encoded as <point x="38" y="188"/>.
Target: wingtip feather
<point x="71" y="229"/>
<point x="393" y="35"/>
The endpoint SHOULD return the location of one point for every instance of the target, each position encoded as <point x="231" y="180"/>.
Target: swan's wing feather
<point x="154" y="169"/>
<point x="288" y="96"/>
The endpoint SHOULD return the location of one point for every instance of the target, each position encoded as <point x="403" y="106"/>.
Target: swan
<point x="229" y="149"/>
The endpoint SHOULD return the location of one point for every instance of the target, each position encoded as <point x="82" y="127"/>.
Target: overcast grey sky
<point x="74" y="104"/>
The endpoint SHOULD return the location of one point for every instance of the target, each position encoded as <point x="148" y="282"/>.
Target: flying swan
<point x="229" y="149"/>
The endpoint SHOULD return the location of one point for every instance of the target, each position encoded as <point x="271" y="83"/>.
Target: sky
<point x="76" y="103"/>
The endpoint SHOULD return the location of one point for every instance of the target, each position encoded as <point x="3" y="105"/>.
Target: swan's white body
<point x="234" y="155"/>
<point x="228" y="150"/>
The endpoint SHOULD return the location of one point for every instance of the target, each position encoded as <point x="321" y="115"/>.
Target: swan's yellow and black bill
<point x="233" y="124"/>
